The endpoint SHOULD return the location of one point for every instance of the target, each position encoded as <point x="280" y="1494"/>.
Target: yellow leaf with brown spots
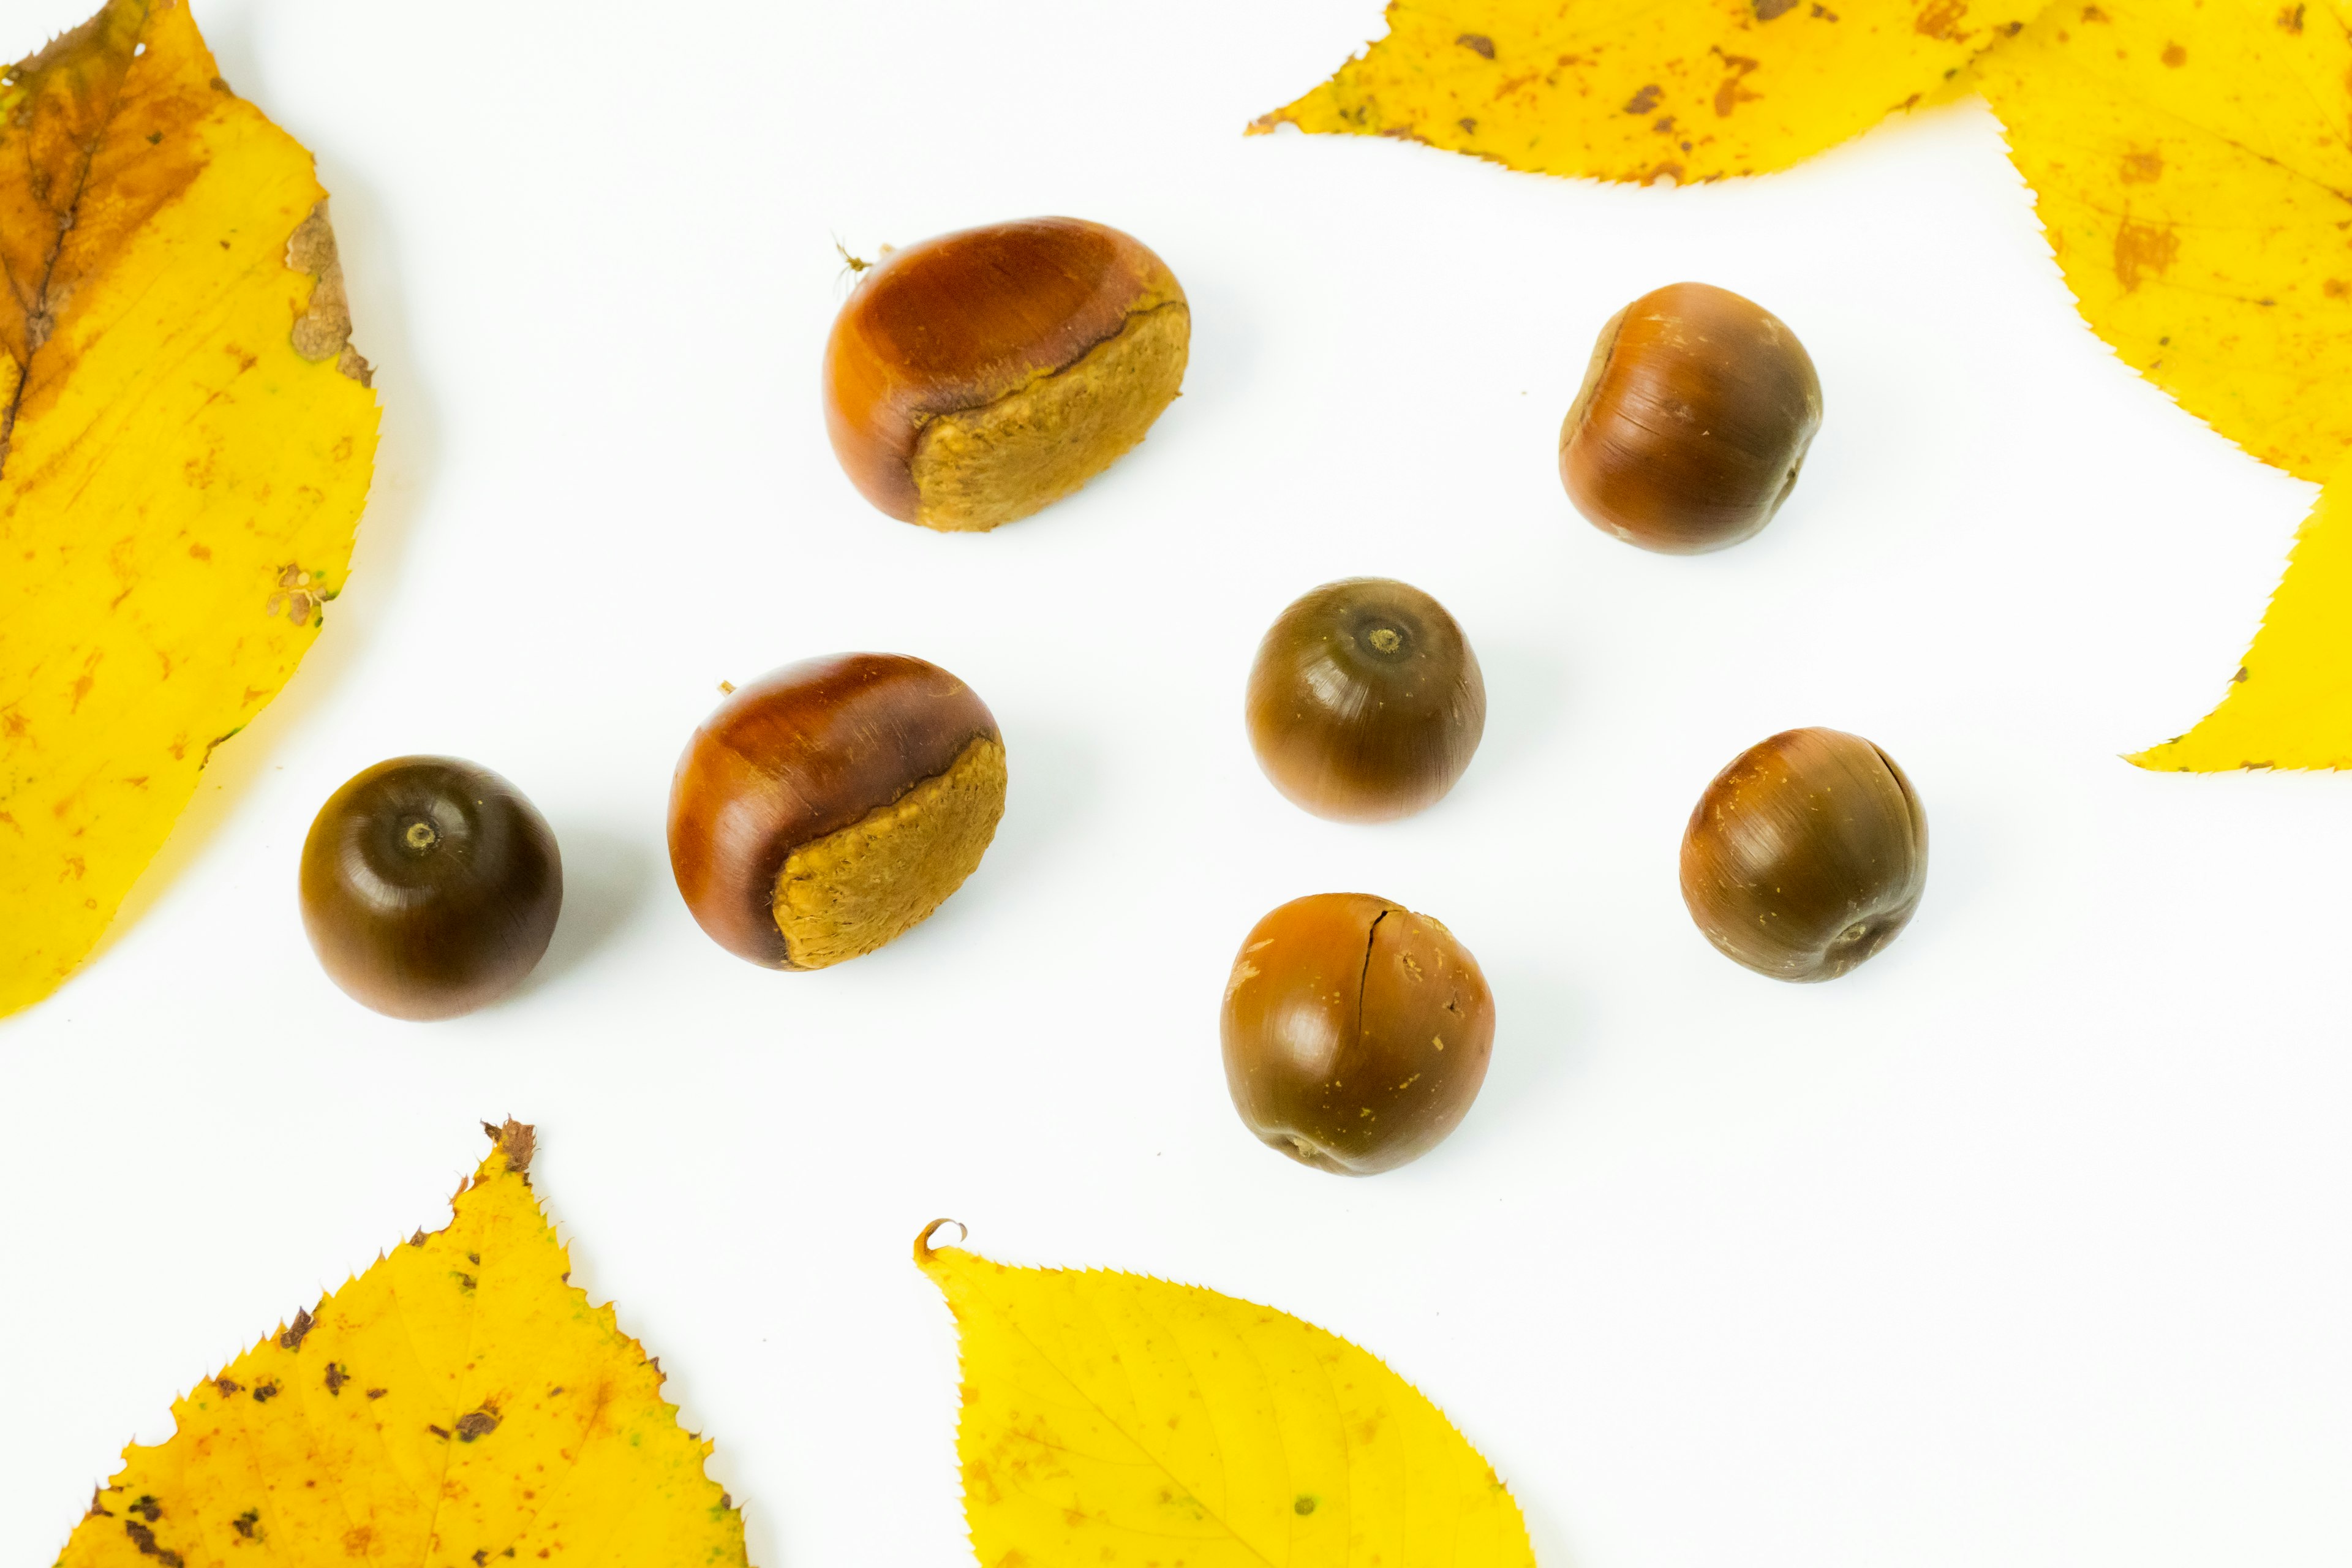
<point x="1649" y="89"/>
<point x="457" y="1405"/>
<point x="1116" y="1419"/>
<point x="186" y="438"/>
<point x="2191" y="163"/>
<point x="2290" y="704"/>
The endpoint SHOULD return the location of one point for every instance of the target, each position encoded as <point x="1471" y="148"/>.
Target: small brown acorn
<point x="1807" y="854"/>
<point x="1356" y="1032"/>
<point x="1694" y="419"/>
<point x="1365" y="701"/>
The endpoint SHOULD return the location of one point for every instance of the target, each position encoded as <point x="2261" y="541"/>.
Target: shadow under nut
<point x="974" y="378"/>
<point x="831" y="805"/>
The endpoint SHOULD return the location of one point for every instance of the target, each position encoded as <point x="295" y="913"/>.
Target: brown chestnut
<point x="1356" y="1032"/>
<point x="1365" y="703"/>
<point x="429" y="887"/>
<point x="831" y="805"/>
<point x="973" y="378"/>
<point x="1693" y="420"/>
<point x="1806" y="855"/>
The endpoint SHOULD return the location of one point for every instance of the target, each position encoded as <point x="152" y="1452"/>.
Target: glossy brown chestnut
<point x="1365" y="703"/>
<point x="973" y="378"/>
<point x="429" y="887"/>
<point x="1356" y="1032"/>
<point x="1807" y="854"/>
<point x="831" y="805"/>
<point x="1693" y="420"/>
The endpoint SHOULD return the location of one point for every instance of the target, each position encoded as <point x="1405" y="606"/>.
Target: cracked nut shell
<point x="1356" y="1032"/>
<point x="976" y="377"/>
<point x="429" y="887"/>
<point x="1693" y="420"/>
<point x="831" y="805"/>
<point x="1365" y="701"/>
<point x="1806" y="856"/>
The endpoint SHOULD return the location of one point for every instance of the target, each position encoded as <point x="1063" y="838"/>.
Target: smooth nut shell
<point x="429" y="932"/>
<point x="1355" y="1033"/>
<point x="971" y="320"/>
<point x="1807" y="854"/>
<point x="794" y="757"/>
<point x="1693" y="422"/>
<point x="1365" y="701"/>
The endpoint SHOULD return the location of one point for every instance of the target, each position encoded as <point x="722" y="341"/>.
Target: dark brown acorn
<point x="976" y="377"/>
<point x="429" y="887"/>
<point x="1356" y="1032"/>
<point x="1807" y="854"/>
<point x="1693" y="421"/>
<point x="831" y="805"/>
<point x="1365" y="701"/>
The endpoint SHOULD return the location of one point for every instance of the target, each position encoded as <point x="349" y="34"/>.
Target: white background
<point x="2025" y="1244"/>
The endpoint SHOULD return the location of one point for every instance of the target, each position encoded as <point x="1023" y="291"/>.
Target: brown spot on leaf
<point x="2140" y="168"/>
<point x="1940" y="20"/>
<point x="478" y="1424"/>
<point x="263" y="1392"/>
<point x="1768" y="9"/>
<point x="1643" y="102"/>
<point x="2143" y="249"/>
<point x="2175" y="55"/>
<point x="298" y="1330"/>
<point x="517" y="1141"/>
<point x="228" y="1386"/>
<point x="2093" y="13"/>
<point x="357" y="1539"/>
<point x="377" y="1393"/>
<point x="324" y="329"/>
<point x="336" y="1378"/>
<point x="1477" y="43"/>
<point x="2334" y="287"/>
<point x="441" y="1432"/>
<point x="144" y="1539"/>
<point x="2238" y="676"/>
<point x="1469" y="126"/>
<point x="1730" y="94"/>
<point x="2290" y="19"/>
<point x="244" y="1523"/>
<point x="147" y="1508"/>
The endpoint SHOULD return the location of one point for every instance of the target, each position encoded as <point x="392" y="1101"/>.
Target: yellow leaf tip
<point x="923" y="1249"/>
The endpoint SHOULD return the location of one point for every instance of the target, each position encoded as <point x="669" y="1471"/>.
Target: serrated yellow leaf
<point x="185" y="442"/>
<point x="1116" y="1419"/>
<point x="457" y="1405"/>
<point x="2191" y="166"/>
<point x="1645" y="90"/>
<point x="2290" y="704"/>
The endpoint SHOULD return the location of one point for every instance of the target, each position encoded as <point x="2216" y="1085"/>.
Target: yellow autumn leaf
<point x="185" y="442"/>
<point x="2290" y="704"/>
<point x="2190" y="163"/>
<point x="1645" y="90"/>
<point x="1117" y="1419"/>
<point x="459" y="1404"/>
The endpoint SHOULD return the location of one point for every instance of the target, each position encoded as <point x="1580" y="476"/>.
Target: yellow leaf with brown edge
<point x="2290" y="704"/>
<point x="1116" y="1419"/>
<point x="1649" y="89"/>
<point x="2190" y="166"/>
<point x="186" y="438"/>
<point x="457" y="1405"/>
